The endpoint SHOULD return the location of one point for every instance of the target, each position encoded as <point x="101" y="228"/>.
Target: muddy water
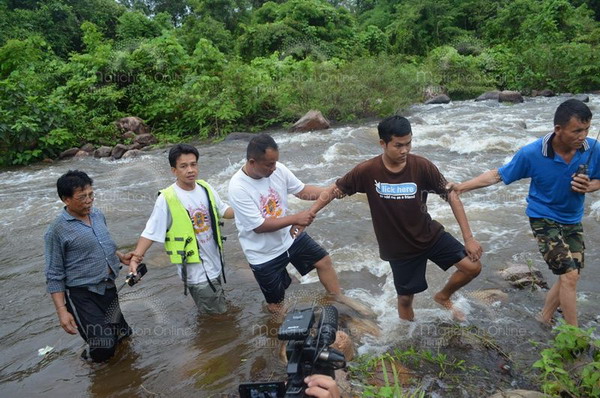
<point x="175" y="352"/>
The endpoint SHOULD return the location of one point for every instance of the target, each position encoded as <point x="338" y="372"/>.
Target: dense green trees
<point x="69" y="68"/>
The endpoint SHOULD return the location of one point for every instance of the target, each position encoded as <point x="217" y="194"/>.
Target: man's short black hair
<point x="572" y="108"/>
<point x="181" y="149"/>
<point x="395" y="125"/>
<point x="70" y="181"/>
<point x="258" y="145"/>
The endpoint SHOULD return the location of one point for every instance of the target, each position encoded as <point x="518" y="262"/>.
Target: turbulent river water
<point x="176" y="352"/>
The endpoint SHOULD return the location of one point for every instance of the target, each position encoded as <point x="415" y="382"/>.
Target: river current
<point x="176" y="352"/>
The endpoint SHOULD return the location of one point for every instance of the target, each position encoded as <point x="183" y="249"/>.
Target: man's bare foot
<point x="275" y="308"/>
<point x="355" y="305"/>
<point x="545" y="322"/>
<point x="447" y="303"/>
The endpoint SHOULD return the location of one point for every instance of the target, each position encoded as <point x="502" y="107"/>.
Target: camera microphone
<point x="329" y="324"/>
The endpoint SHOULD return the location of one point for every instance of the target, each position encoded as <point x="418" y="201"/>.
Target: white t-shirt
<point x="255" y="200"/>
<point x="196" y="204"/>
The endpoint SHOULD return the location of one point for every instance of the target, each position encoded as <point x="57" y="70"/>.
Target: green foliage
<point x="460" y="75"/>
<point x="571" y="366"/>
<point x="69" y="68"/>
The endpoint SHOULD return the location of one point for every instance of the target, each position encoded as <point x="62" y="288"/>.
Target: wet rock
<point x="438" y="99"/>
<point x="488" y="95"/>
<point x="518" y="394"/>
<point x="313" y="120"/>
<point x="543" y="93"/>
<point x="489" y="296"/>
<point x="82" y="154"/>
<point x="102" y="152"/>
<point x="522" y="124"/>
<point x="69" y="153"/>
<point x="130" y="135"/>
<point x="145" y="139"/>
<point x="89" y="148"/>
<point x="239" y="136"/>
<point x="134" y="153"/>
<point x="522" y="275"/>
<point x="510" y="96"/>
<point x="118" y="151"/>
<point x="48" y="160"/>
<point x="135" y="145"/>
<point x="132" y="123"/>
<point x="417" y="120"/>
<point x="582" y="97"/>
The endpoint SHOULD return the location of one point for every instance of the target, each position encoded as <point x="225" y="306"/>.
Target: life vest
<point x="180" y="242"/>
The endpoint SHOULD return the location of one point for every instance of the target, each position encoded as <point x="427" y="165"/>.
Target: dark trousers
<point x="99" y="320"/>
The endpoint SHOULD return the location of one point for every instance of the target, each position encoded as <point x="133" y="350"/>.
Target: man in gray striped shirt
<point x="82" y="263"/>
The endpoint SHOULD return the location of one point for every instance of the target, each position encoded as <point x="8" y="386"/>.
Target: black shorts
<point x="409" y="274"/>
<point x="273" y="278"/>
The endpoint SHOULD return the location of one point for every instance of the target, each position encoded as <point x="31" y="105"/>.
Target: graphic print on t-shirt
<point x="405" y="190"/>
<point x="270" y="206"/>
<point x="201" y="221"/>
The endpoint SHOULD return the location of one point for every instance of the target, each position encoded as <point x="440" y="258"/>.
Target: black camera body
<point x="307" y="350"/>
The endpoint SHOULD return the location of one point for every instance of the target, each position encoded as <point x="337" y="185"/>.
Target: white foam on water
<point x="595" y="210"/>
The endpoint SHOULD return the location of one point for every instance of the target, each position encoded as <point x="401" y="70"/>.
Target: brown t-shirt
<point x="398" y="203"/>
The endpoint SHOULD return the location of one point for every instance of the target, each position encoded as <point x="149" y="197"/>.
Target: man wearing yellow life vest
<point x="186" y="218"/>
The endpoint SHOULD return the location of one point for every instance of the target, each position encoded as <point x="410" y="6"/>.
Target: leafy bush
<point x="571" y="366"/>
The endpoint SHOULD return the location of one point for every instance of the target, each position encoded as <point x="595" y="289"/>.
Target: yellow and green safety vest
<point x="181" y="240"/>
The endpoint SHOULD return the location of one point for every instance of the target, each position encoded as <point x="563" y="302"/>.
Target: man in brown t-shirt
<point x="397" y="184"/>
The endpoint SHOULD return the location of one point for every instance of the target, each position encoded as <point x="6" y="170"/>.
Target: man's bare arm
<point x="486" y="179"/>
<point x="327" y="196"/>
<point x="472" y="247"/>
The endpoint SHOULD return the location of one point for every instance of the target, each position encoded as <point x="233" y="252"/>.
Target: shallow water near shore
<point x="175" y="352"/>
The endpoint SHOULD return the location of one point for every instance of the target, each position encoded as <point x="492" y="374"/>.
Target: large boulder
<point x="582" y="97"/>
<point x="118" y="151"/>
<point x="102" y="152"/>
<point x="510" y="96"/>
<point x="313" y="120"/>
<point x="133" y="153"/>
<point x="132" y="123"/>
<point x="82" y="154"/>
<point x="488" y="95"/>
<point x="145" y="139"/>
<point x="438" y="99"/>
<point x="69" y="153"/>
<point x="89" y="148"/>
<point x="135" y="145"/>
<point x="129" y="135"/>
<point x="543" y="93"/>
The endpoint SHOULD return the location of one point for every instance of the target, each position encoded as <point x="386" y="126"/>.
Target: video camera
<point x="308" y="353"/>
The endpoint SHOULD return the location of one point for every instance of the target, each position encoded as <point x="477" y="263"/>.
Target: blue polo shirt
<point x="550" y="195"/>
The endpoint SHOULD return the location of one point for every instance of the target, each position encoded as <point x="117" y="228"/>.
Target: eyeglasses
<point x="83" y="197"/>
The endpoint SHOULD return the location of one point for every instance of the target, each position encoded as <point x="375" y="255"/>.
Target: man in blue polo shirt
<point x="556" y="197"/>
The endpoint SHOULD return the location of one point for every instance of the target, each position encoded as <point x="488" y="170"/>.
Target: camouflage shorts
<point x="561" y="245"/>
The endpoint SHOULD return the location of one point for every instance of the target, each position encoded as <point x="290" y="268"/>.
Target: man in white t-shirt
<point x="186" y="218"/>
<point x="270" y="237"/>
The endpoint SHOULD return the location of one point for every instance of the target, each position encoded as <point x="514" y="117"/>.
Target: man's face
<point x="80" y="204"/>
<point x="186" y="169"/>
<point x="397" y="149"/>
<point x="266" y="165"/>
<point x="572" y="135"/>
